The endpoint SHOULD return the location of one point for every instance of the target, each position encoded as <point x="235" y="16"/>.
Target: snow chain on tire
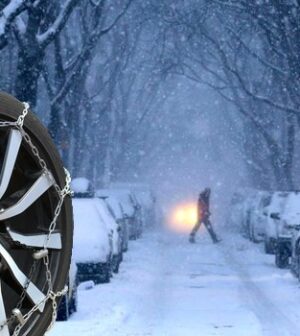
<point x="43" y="253"/>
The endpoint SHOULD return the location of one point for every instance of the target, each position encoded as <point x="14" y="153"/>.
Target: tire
<point x="281" y="258"/>
<point x="63" y="312"/>
<point x="118" y="261"/>
<point x="106" y="274"/>
<point x="35" y="219"/>
<point x="250" y="234"/>
<point x="269" y="247"/>
<point x="298" y="268"/>
<point x="73" y="302"/>
<point x="133" y="235"/>
<point x="115" y="263"/>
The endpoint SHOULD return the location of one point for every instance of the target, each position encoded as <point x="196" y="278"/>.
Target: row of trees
<point x="249" y="52"/>
<point x="87" y="68"/>
<point x="99" y="72"/>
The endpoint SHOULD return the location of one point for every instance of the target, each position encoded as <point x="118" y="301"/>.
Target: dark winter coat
<point x="203" y="205"/>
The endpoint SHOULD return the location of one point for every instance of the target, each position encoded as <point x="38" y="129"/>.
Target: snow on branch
<point x="48" y="36"/>
<point x="86" y="53"/>
<point x="7" y="16"/>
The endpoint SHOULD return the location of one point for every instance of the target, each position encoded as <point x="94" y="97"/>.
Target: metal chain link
<point x="62" y="193"/>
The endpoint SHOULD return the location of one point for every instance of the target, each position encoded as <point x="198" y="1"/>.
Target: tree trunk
<point x="29" y="67"/>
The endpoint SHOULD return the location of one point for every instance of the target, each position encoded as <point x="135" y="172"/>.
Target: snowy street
<point x="149" y="168"/>
<point x="168" y="287"/>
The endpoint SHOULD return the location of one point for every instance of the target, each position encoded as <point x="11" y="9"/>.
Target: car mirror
<point x="275" y="215"/>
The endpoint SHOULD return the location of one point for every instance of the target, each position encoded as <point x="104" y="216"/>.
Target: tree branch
<point x="8" y="14"/>
<point x="47" y="37"/>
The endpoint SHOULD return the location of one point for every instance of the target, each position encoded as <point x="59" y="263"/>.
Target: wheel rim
<point x="27" y="203"/>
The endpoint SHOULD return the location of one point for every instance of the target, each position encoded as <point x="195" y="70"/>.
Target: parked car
<point x="257" y="219"/>
<point x="246" y="213"/>
<point x="236" y="212"/>
<point x="93" y="242"/>
<point x="68" y="303"/>
<point x="145" y="198"/>
<point x="138" y="216"/>
<point x="116" y="209"/>
<point x="287" y="221"/>
<point x="131" y="212"/>
<point x="273" y="223"/>
<point x="295" y="253"/>
<point x="115" y="230"/>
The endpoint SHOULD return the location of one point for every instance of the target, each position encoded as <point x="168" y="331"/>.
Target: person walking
<point x="203" y="217"/>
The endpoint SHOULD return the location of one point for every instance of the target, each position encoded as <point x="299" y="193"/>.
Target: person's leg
<point x="211" y="231"/>
<point x="194" y="231"/>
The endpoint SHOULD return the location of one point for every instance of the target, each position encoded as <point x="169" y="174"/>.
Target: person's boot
<point x="217" y="240"/>
<point x="192" y="239"/>
<point x="212" y="233"/>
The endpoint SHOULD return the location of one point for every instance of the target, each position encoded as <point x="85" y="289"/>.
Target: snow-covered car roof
<point x="143" y="192"/>
<point x="277" y="202"/>
<point x="91" y="241"/>
<point x="130" y="185"/>
<point x="124" y="197"/>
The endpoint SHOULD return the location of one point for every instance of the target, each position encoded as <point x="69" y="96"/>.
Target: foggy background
<point x="177" y="94"/>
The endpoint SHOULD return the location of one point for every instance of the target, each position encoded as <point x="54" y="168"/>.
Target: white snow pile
<point x="80" y="185"/>
<point x="91" y="242"/>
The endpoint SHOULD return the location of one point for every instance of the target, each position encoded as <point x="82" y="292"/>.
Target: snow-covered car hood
<point x="91" y="241"/>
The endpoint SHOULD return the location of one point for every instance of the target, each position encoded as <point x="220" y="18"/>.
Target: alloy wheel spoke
<point x="37" y="240"/>
<point x="12" y="150"/>
<point x="32" y="292"/>
<point x="4" y="331"/>
<point x="39" y="187"/>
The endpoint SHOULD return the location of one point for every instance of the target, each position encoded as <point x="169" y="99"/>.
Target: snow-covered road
<point x="168" y="287"/>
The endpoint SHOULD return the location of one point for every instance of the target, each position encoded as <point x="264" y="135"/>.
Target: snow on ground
<point x="168" y="287"/>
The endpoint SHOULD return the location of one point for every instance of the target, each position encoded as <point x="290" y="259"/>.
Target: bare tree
<point x="248" y="54"/>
